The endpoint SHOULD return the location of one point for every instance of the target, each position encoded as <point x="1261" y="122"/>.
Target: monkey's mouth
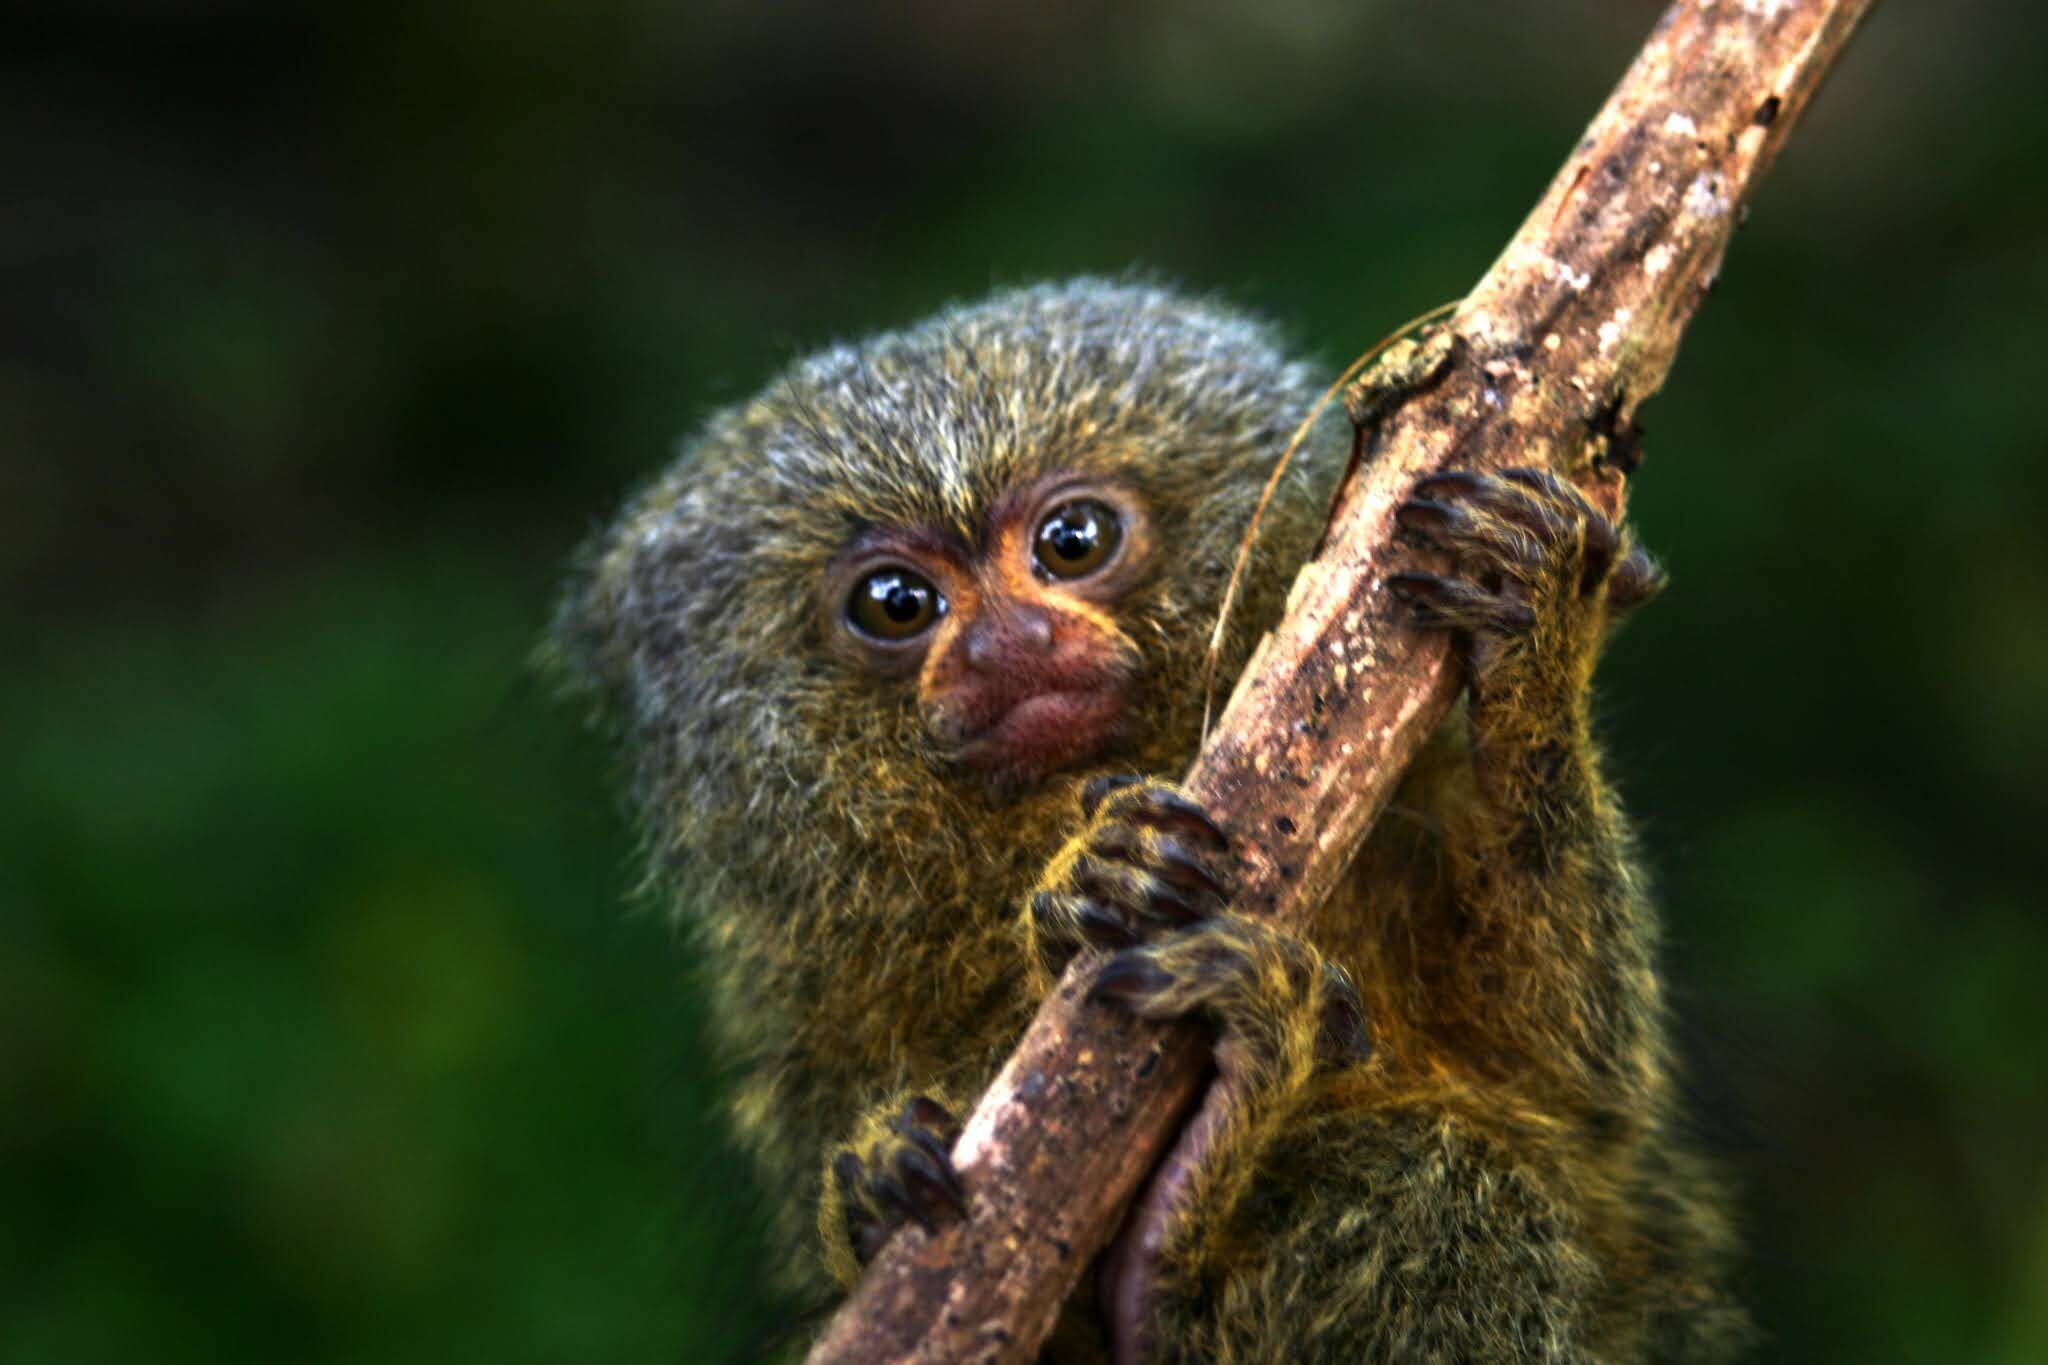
<point x="1045" y="731"/>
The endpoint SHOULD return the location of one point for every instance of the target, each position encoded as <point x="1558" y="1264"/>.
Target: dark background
<point x="325" y="1032"/>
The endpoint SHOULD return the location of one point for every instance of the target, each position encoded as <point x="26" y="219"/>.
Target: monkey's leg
<point x="896" y="1168"/>
<point x="1140" y="872"/>
<point x="1553" y="948"/>
<point x="1402" y="1234"/>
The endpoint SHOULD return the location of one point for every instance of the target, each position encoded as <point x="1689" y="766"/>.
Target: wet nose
<point x="1005" y="639"/>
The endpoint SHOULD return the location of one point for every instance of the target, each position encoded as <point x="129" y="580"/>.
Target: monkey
<point x="903" y="655"/>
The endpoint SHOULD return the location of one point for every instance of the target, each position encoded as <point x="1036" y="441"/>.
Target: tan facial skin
<point x="1020" y="666"/>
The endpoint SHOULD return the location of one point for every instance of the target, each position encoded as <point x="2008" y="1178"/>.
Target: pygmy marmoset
<point x="904" y="654"/>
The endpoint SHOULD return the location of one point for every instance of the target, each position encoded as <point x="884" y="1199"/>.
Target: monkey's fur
<point x="1473" y="1157"/>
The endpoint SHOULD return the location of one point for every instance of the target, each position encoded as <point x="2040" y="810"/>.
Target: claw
<point x="1180" y="866"/>
<point x="1130" y="977"/>
<point x="1167" y="906"/>
<point x="926" y="1117"/>
<point x="1167" y="811"/>
<point x="1428" y="515"/>
<point x="1104" y="928"/>
<point x="1463" y="481"/>
<point x="935" y="1179"/>
<point x="1635" y="580"/>
<point x="1165" y="859"/>
<point x="1455" y="602"/>
<point x="928" y="1162"/>
<point x="1504" y="529"/>
<point x="894" y="1195"/>
<point x="1601" y="541"/>
<point x="1528" y="498"/>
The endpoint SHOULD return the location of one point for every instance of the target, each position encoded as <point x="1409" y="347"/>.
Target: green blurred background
<point x="326" y="1031"/>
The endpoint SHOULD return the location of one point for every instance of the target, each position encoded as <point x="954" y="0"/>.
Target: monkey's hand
<point x="898" y="1167"/>
<point x="1537" y="577"/>
<point x="1146" y="861"/>
<point x="1144" y="878"/>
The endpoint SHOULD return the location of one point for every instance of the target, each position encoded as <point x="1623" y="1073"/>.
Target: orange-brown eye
<point x="1077" y="538"/>
<point x="894" y="604"/>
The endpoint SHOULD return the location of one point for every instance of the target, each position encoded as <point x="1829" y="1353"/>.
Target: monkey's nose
<point x="1003" y="640"/>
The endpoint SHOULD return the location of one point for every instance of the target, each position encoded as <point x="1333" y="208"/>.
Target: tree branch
<point x="1544" y="362"/>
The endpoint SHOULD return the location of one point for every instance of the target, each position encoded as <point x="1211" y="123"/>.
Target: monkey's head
<point x="897" y="600"/>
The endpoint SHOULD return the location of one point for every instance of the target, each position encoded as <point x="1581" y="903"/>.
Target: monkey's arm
<point x="1312" y="1208"/>
<point x="1397" y="1211"/>
<point x="1550" y="962"/>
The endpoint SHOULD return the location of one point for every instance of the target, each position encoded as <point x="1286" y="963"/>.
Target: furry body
<point x="1498" y="1177"/>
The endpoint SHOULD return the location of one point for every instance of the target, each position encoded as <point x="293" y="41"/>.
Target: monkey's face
<point x="1011" y="639"/>
<point x="889" y="606"/>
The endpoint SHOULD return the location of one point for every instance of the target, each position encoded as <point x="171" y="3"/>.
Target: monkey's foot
<point x="1538" y="575"/>
<point x="1147" y="861"/>
<point x="1282" y="1014"/>
<point x="900" y="1170"/>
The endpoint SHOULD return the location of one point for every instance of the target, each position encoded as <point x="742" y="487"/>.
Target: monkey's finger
<point x="1146" y="900"/>
<point x="1453" y="603"/>
<point x="1163" y="808"/>
<point x="1495" y="542"/>
<point x="846" y="1173"/>
<point x="1118" y="884"/>
<point x="1164" y="856"/>
<point x="1198" y="970"/>
<point x="1564" y="512"/>
<point x="1178" y="865"/>
<point x="1103" y="927"/>
<point x="1457" y="483"/>
<point x="925" y="1116"/>
<point x="1156" y="907"/>
<point x="1095" y="789"/>
<point x="1130" y="978"/>
<point x="911" y="1126"/>
<point x="929" y="1181"/>
<point x="1551" y="488"/>
<point x="1488" y="495"/>
<point x="1431" y="517"/>
<point x="1534" y="500"/>
<point x="868" y="1235"/>
<point x="1166" y="909"/>
<point x="1121" y="842"/>
<point x="1068" y="919"/>
<point x="895" y="1196"/>
<point x="1636" y="580"/>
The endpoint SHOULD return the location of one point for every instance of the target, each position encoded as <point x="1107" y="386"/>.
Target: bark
<point x="1544" y="362"/>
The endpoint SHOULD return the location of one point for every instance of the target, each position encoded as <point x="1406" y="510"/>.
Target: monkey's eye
<point x="894" y="604"/>
<point x="1077" y="538"/>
